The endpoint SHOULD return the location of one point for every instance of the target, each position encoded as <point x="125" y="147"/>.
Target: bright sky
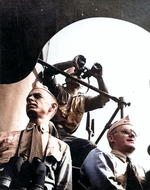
<point x="122" y="48"/>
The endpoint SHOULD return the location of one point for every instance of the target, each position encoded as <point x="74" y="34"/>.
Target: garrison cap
<point x="71" y="71"/>
<point x="123" y="121"/>
<point x="39" y="85"/>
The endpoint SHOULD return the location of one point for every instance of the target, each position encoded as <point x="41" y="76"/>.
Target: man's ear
<point x="53" y="107"/>
<point x="111" y="138"/>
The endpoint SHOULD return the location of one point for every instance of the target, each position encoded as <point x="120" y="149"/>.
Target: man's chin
<point x="31" y="113"/>
<point x="76" y="85"/>
<point x="131" y="149"/>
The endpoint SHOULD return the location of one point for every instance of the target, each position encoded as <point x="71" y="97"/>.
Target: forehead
<point x="39" y="91"/>
<point x="125" y="127"/>
<point x="128" y="128"/>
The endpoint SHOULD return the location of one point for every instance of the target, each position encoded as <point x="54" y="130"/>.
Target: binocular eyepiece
<point x="84" y="72"/>
<point x="81" y="61"/>
<point x="96" y="68"/>
<point x="20" y="173"/>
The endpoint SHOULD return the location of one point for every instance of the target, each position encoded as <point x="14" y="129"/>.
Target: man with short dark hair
<point x="115" y="171"/>
<point x="33" y="159"/>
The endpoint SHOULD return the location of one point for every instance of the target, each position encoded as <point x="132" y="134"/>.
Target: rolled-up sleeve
<point x="92" y="103"/>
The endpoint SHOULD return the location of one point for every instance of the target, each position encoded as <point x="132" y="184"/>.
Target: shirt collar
<point x="42" y="128"/>
<point x="119" y="155"/>
<point x="30" y="126"/>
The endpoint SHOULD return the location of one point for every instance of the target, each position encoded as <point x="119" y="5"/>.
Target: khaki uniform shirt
<point x="71" y="108"/>
<point x="38" y="146"/>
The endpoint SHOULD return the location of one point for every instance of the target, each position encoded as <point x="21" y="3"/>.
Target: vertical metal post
<point x="121" y="106"/>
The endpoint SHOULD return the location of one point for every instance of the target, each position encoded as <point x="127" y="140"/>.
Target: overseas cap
<point x="39" y="85"/>
<point x="71" y="71"/>
<point x="123" y="121"/>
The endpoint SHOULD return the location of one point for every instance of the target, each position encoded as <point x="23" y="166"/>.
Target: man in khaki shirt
<point x="72" y="105"/>
<point x="33" y="159"/>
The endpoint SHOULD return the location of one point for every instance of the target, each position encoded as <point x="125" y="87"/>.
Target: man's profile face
<point x="38" y="103"/>
<point x="124" y="139"/>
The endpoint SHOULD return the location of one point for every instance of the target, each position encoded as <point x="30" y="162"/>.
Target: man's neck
<point x="39" y="121"/>
<point x="73" y="91"/>
<point x="120" y="152"/>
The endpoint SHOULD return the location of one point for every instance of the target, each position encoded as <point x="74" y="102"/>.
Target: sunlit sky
<point x="122" y="48"/>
